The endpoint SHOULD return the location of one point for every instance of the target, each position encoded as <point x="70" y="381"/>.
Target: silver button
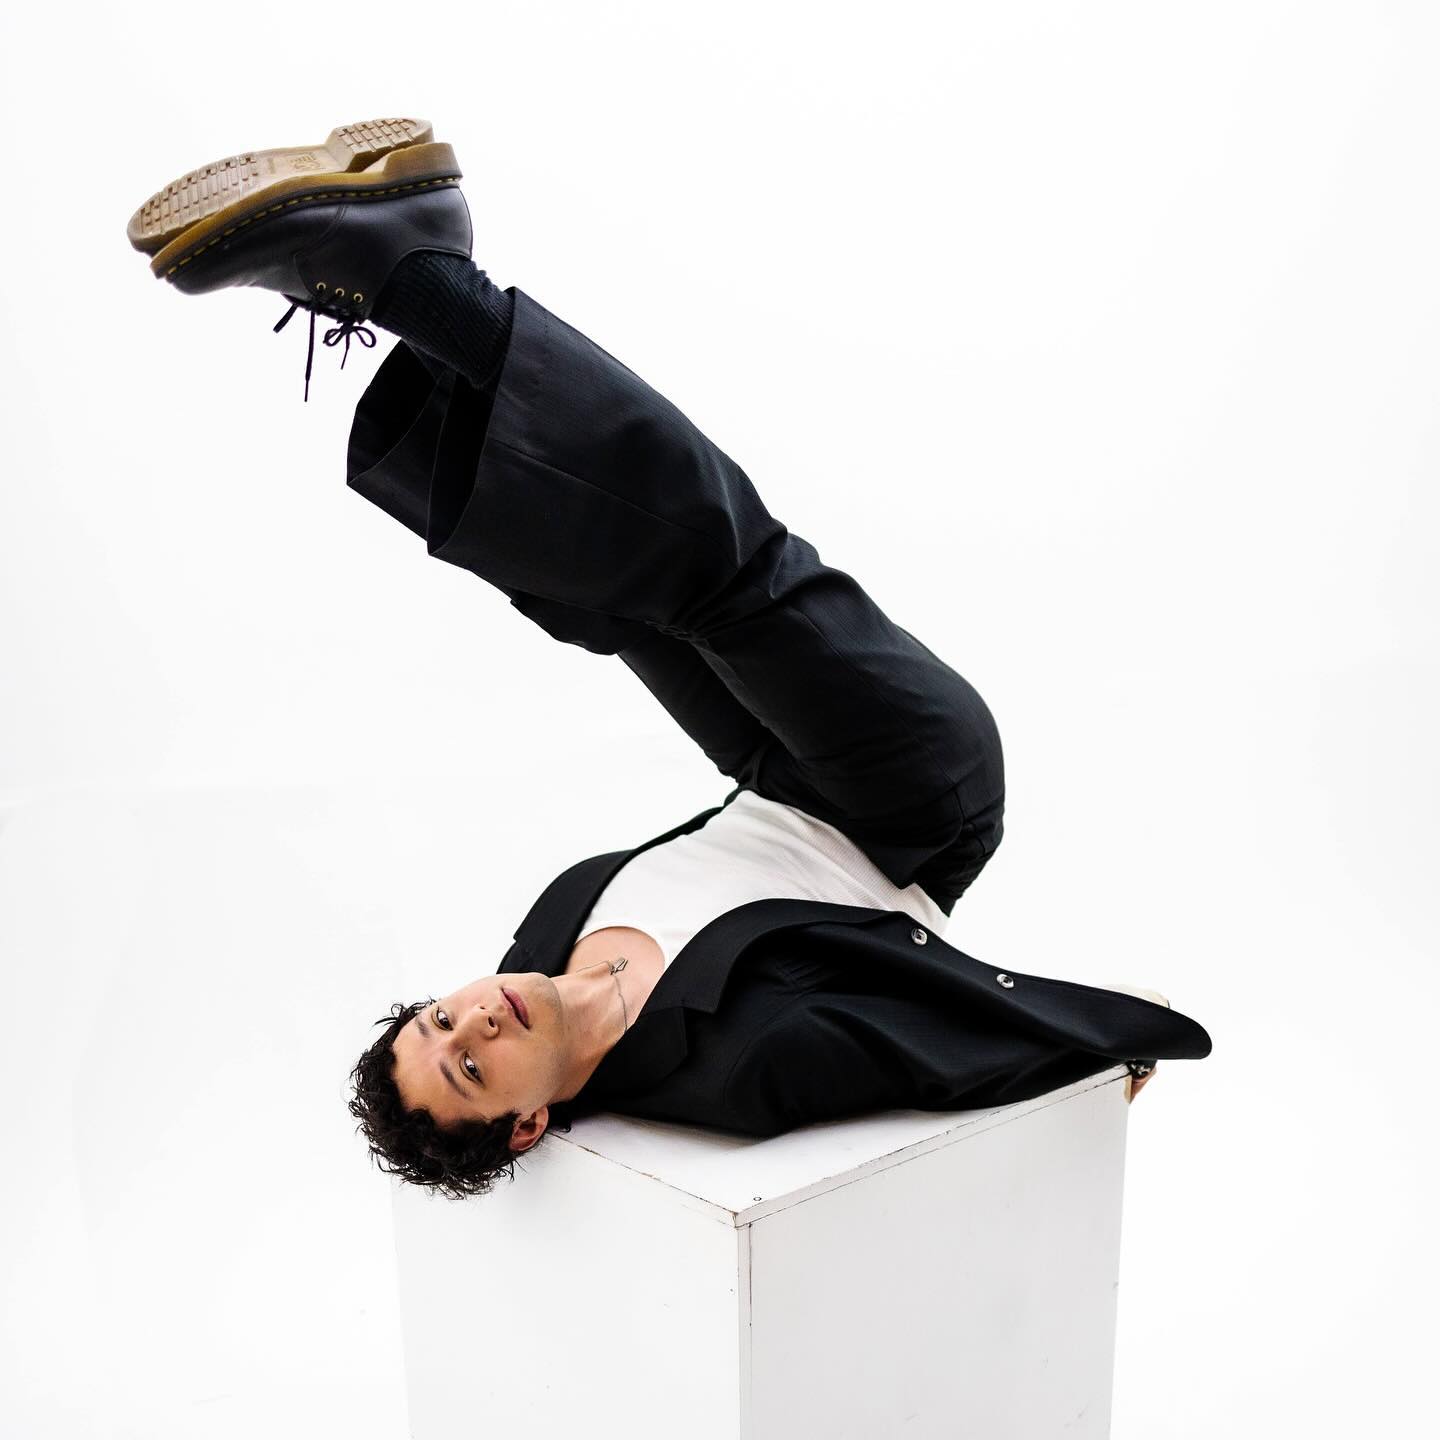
<point x="1005" y="980"/>
<point x="918" y="936"/>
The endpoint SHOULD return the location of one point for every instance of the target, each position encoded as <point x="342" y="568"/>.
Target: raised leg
<point x="605" y="515"/>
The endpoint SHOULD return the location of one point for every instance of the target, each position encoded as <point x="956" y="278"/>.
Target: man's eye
<point x="470" y="1068"/>
<point x="442" y="1019"/>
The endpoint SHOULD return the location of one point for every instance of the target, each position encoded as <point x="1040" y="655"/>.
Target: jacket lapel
<point x="656" y="1041"/>
<point x="549" y="930"/>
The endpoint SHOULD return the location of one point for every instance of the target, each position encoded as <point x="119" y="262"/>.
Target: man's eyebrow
<point x="445" y="1070"/>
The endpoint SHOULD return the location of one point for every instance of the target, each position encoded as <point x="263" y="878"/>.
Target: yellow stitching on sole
<point x="302" y="199"/>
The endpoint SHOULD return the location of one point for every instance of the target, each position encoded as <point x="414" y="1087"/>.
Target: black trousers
<point x="610" y="521"/>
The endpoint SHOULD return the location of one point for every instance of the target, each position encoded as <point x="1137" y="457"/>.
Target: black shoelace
<point x="348" y="326"/>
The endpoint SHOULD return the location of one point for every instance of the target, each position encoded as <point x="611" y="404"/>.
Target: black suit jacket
<point x="780" y="1013"/>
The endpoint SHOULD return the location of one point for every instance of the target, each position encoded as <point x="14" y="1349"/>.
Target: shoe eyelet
<point x="320" y="285"/>
<point x="339" y="294"/>
<point x="358" y="297"/>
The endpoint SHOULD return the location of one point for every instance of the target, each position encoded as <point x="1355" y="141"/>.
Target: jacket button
<point x="1005" y="980"/>
<point x="918" y="936"/>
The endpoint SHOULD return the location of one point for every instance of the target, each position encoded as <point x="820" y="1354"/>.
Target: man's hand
<point x="1134" y="1084"/>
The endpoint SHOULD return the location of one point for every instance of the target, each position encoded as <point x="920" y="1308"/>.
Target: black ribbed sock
<point x="447" y="307"/>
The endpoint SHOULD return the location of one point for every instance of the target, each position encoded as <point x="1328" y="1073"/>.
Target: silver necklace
<point x="615" y="969"/>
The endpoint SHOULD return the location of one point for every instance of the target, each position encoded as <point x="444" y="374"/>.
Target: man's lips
<point x="517" y="1005"/>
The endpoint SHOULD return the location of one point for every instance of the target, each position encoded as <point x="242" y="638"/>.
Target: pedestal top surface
<point x="744" y="1177"/>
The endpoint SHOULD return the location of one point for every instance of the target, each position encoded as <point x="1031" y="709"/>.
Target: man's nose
<point x="478" y="1023"/>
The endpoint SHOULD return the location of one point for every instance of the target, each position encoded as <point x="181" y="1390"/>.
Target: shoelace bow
<point x="348" y="326"/>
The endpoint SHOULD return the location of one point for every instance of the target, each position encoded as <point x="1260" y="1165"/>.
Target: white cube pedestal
<point x="914" y="1274"/>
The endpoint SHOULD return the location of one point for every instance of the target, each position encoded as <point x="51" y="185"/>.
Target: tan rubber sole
<point x="364" y="161"/>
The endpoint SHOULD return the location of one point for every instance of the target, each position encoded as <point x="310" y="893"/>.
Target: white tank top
<point x="753" y="849"/>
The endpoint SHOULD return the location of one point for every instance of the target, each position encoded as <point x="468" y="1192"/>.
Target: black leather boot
<point x="297" y="222"/>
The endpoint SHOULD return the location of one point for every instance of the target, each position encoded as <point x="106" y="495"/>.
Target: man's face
<point x="469" y="1056"/>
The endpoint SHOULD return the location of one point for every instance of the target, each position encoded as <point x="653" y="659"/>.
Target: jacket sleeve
<point x="829" y="1057"/>
<point x="812" y="1062"/>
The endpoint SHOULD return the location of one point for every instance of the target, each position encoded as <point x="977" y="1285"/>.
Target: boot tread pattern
<point x="202" y="193"/>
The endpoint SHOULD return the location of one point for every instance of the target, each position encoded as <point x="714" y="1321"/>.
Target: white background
<point x="1101" y="342"/>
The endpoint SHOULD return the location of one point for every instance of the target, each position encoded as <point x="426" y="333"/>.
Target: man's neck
<point x="607" y="1002"/>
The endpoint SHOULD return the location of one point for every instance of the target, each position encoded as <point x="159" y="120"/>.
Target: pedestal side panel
<point x="969" y="1294"/>
<point x="584" y="1298"/>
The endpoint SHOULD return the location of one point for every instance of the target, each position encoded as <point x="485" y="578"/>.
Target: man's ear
<point x="527" y="1132"/>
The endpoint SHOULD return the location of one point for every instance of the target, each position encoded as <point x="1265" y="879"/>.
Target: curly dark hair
<point x="457" y="1161"/>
